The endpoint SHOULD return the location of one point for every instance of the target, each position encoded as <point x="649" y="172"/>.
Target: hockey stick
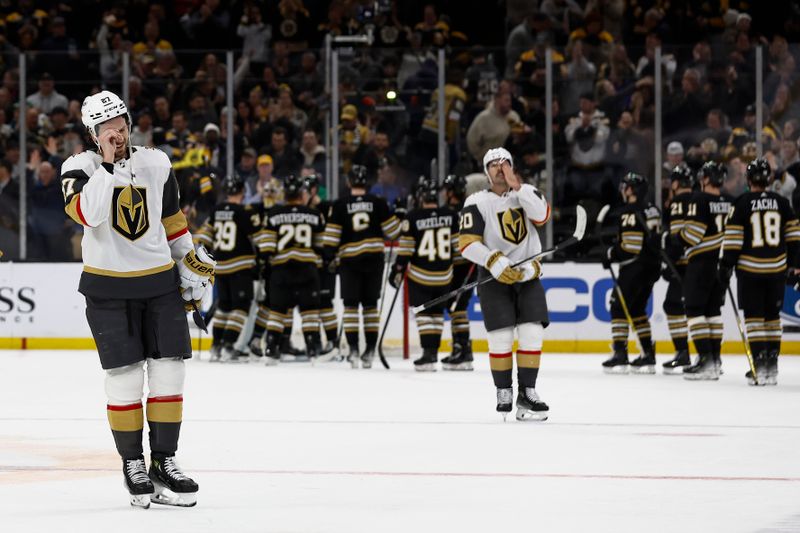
<point x="453" y="305"/>
<point x="381" y="355"/>
<point x="198" y="318"/>
<point x="624" y="305"/>
<point x="577" y="235"/>
<point x="748" y="352"/>
<point x="661" y="250"/>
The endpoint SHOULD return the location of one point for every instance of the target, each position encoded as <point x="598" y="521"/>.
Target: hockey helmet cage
<point x="428" y="190"/>
<point x="232" y="185"/>
<point x="358" y="176"/>
<point x="715" y="172"/>
<point x="683" y="175"/>
<point x="101" y="107"/>
<point x="635" y="181"/>
<point x="493" y="155"/>
<point x="456" y="184"/>
<point x="759" y="172"/>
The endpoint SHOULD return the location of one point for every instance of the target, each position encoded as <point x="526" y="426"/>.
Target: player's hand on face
<point x="109" y="140"/>
<point x="511" y="178"/>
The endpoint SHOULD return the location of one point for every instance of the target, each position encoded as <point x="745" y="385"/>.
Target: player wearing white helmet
<point x="498" y="229"/>
<point x="140" y="271"/>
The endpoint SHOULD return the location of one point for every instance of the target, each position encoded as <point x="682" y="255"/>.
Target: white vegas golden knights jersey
<point x="503" y="222"/>
<point x="133" y="230"/>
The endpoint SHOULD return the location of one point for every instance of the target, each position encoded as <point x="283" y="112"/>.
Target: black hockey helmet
<point x="715" y="172"/>
<point x="293" y="186"/>
<point x="312" y="180"/>
<point x="635" y="181"/>
<point x="427" y="190"/>
<point x="233" y="184"/>
<point x="759" y="172"/>
<point x="358" y="176"/>
<point x="683" y="175"/>
<point x="455" y="184"/>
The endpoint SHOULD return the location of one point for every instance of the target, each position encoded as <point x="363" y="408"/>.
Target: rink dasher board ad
<point x="40" y="307"/>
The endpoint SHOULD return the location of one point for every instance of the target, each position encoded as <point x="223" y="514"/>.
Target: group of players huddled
<point x="707" y="236"/>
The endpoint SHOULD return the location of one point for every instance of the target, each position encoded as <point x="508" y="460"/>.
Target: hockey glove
<point x="197" y="274"/>
<point x="500" y="268"/>
<point x="396" y="277"/>
<point x="724" y="272"/>
<point x="605" y="260"/>
<point x="530" y="270"/>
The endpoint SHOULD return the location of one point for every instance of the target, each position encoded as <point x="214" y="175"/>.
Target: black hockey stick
<point x="198" y="318"/>
<point x="748" y="352"/>
<point x="625" y="310"/>
<point x="381" y="355"/>
<point x="577" y="235"/>
<point x="466" y="279"/>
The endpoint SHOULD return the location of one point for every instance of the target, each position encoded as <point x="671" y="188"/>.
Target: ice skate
<point x="617" y="363"/>
<point x="273" y="353"/>
<point x="329" y="347"/>
<point x="461" y="360"/>
<point x="676" y="365"/>
<point x="529" y="407"/>
<point x="645" y="363"/>
<point x="427" y="362"/>
<point x="367" y="357"/>
<point x="214" y="353"/>
<point x="771" y="377"/>
<point x="229" y="354"/>
<point x="172" y="487"/>
<point x="137" y="482"/>
<point x="704" y="370"/>
<point x="505" y="397"/>
<point x="327" y="354"/>
<point x="455" y="352"/>
<point x="256" y="350"/>
<point x="290" y="353"/>
<point x="353" y="357"/>
<point x="312" y="346"/>
<point x="760" y="362"/>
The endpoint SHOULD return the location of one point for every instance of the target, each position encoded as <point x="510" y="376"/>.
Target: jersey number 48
<point x="435" y="244"/>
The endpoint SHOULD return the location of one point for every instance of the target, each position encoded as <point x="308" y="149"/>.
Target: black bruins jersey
<point x="676" y="219"/>
<point x="232" y="232"/>
<point x="428" y="244"/>
<point x="704" y="225"/>
<point x="762" y="234"/>
<point x="635" y="242"/>
<point x="357" y="227"/>
<point x="292" y="235"/>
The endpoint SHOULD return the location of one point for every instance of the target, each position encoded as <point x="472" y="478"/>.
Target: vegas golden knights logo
<point x="129" y="214"/>
<point x="512" y="225"/>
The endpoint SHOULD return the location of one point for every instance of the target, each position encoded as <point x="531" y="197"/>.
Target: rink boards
<point x="40" y="308"/>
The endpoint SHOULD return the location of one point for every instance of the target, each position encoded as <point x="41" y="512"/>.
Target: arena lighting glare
<point x="391" y="95"/>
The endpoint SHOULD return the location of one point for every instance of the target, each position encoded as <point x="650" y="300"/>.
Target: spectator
<point x="521" y="38"/>
<point x="162" y="118"/>
<point x="112" y="47"/>
<point x="313" y="153"/>
<point x="688" y="106"/>
<point x="626" y="147"/>
<point x="136" y="98"/>
<point x="214" y="147"/>
<point x="201" y="112"/>
<point x="579" y="75"/>
<point x="49" y="224"/>
<point x="179" y="138"/>
<point x="287" y="111"/>
<point x="387" y="186"/>
<point x="47" y="98"/>
<point x="789" y="153"/>
<point x="431" y="28"/>
<point x="491" y="127"/>
<point x="255" y="35"/>
<point x="381" y="146"/>
<point x="208" y="24"/>
<point x="716" y="128"/>
<point x="256" y="182"/>
<point x="618" y="70"/>
<point x="596" y="41"/>
<point x="9" y="212"/>
<point x="286" y="160"/>
<point x="307" y="83"/>
<point x="674" y="156"/>
<point x="480" y="82"/>
<point x="59" y="53"/>
<point x="145" y="50"/>
<point x="587" y="136"/>
<point x="353" y="137"/>
<point x="142" y="134"/>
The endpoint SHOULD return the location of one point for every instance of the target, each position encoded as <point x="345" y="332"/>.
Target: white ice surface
<point x="328" y="449"/>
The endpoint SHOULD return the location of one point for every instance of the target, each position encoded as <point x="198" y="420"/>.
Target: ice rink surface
<point x="329" y="449"/>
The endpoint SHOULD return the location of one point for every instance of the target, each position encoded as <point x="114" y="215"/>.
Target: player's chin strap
<point x="577" y="235"/>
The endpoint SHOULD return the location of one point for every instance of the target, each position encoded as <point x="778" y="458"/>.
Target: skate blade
<point x="366" y="365"/>
<point x="428" y="367"/>
<point x="705" y="376"/>
<point x="645" y="369"/>
<point x="619" y="369"/>
<point x="673" y="371"/>
<point x="354" y="364"/>
<point x="269" y="361"/>
<point x="164" y="496"/>
<point x="140" y="500"/>
<point x="325" y="357"/>
<point x="524" y="415"/>
<point x="462" y="367"/>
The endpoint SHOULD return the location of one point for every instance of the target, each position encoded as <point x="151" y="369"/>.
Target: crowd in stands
<point x="603" y="60"/>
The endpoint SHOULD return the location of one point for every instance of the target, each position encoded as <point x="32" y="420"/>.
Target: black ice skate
<point x="290" y="353"/>
<point x="312" y="346"/>
<point x="645" y="363"/>
<point x="427" y="363"/>
<point x="172" y="487"/>
<point x="529" y="407"/>
<point x="229" y="354"/>
<point x="760" y="361"/>
<point x="460" y="360"/>
<point x="353" y="357"/>
<point x="273" y="354"/>
<point x="256" y="350"/>
<point x="676" y="365"/>
<point x="617" y="364"/>
<point x="705" y="369"/>
<point x="505" y="397"/>
<point x="771" y="377"/>
<point x="215" y="352"/>
<point x="455" y="352"/>
<point x="136" y="481"/>
<point x="367" y="357"/>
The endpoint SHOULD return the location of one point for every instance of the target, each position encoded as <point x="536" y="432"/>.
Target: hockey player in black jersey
<point x="232" y="232"/>
<point x="428" y="242"/>
<point x="703" y="294"/>
<point x="355" y="232"/>
<point x="761" y="242"/>
<point x="292" y="241"/>
<point x="637" y="252"/>
<point x="682" y="182"/>
<point x="464" y="272"/>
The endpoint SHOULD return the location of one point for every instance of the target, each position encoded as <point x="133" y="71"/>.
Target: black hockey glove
<point x="396" y="276"/>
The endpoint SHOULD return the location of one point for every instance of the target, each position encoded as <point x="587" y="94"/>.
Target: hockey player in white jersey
<point x="140" y="273"/>
<point x="498" y="229"/>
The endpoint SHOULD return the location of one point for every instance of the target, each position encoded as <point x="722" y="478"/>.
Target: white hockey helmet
<point x="99" y="108"/>
<point x="493" y="155"/>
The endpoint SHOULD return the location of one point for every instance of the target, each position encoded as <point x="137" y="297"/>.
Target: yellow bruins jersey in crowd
<point x="134" y="229"/>
<point x="454" y="100"/>
<point x="429" y="244"/>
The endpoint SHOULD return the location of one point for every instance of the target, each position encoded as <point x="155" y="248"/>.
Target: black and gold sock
<point x="501" y="365"/>
<point x="371" y="325"/>
<point x="235" y="325"/>
<point x="329" y="323"/>
<point x="164" y="415"/>
<point x="430" y="330"/>
<point x="127" y="422"/>
<point x="643" y="331"/>
<point x="701" y="334"/>
<point x="619" y="334"/>
<point x="350" y="319"/>
<point x="260" y="325"/>
<point x="528" y="367"/>
<point x="679" y="331"/>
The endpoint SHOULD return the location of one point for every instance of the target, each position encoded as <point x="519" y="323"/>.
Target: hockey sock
<point x="619" y="334"/>
<point x="234" y="326"/>
<point x="127" y="422"/>
<point x="275" y="322"/>
<point x="218" y="330"/>
<point x="430" y="330"/>
<point x="715" y="327"/>
<point x="288" y="322"/>
<point x="310" y="324"/>
<point x="371" y="326"/>
<point x="459" y="324"/>
<point x="756" y="335"/>
<point x="463" y="340"/>
<point x="678" y="330"/>
<point x="528" y="367"/>
<point x="351" y="326"/>
<point x="261" y="322"/>
<point x="164" y="415"/>
<point x="329" y="324"/>
<point x="774" y="332"/>
<point x="642" y="326"/>
<point x="501" y="365"/>
<point x="700" y="333"/>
